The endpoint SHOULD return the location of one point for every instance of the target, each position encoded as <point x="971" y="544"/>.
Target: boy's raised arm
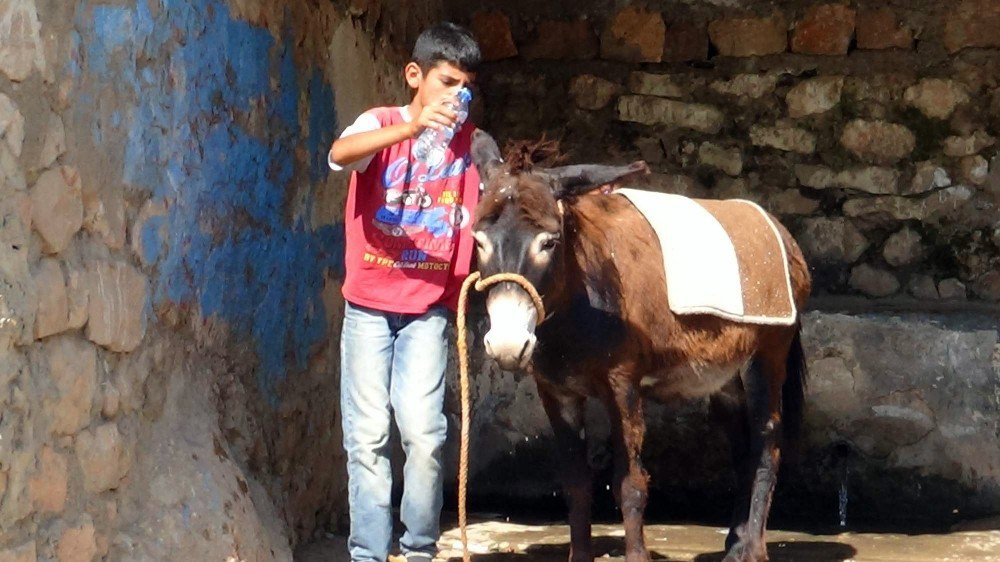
<point x="351" y="148"/>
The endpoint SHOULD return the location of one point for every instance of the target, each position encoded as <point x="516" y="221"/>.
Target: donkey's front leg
<point x="566" y="416"/>
<point x="628" y="429"/>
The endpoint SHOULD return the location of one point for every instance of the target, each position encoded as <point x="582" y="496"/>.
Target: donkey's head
<point x="519" y="229"/>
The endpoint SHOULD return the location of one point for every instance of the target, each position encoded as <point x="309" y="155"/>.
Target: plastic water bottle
<point x="431" y="144"/>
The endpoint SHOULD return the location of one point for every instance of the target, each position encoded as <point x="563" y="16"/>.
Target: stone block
<point x="873" y="282"/>
<point x="562" y="40"/>
<point x="77" y="544"/>
<point x="663" y="85"/>
<point x="650" y="110"/>
<point x="47" y="487"/>
<point x="104" y="458"/>
<point x="57" y="208"/>
<point x="972" y="23"/>
<point x="878" y="142"/>
<point x="634" y="35"/>
<point x="753" y="86"/>
<point x="831" y="240"/>
<point x="879" y="28"/>
<point x="685" y="42"/>
<point x="748" y="37"/>
<point x="72" y="368"/>
<point x="788" y="139"/>
<point x="936" y="97"/>
<point x="11" y="125"/>
<point x="52" y="315"/>
<point x="816" y="95"/>
<point x="592" y="92"/>
<point x="825" y="29"/>
<point x="492" y="31"/>
<point x="116" y="305"/>
<point x="903" y="248"/>
<point x="729" y="160"/>
<point x="21" y="48"/>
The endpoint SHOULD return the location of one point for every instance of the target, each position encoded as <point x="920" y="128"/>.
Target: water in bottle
<point x="431" y="145"/>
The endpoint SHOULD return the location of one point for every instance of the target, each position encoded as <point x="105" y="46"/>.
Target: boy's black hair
<point x="447" y="42"/>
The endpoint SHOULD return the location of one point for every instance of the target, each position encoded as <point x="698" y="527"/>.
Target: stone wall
<point x="870" y="130"/>
<point x="170" y="267"/>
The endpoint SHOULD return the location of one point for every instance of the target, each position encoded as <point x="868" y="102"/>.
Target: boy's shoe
<point x="411" y="557"/>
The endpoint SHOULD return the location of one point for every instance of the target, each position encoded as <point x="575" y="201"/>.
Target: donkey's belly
<point x="689" y="381"/>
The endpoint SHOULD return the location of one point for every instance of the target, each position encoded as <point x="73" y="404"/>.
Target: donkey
<point x="611" y="335"/>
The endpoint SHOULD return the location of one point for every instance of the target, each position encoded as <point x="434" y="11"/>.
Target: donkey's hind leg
<point x="729" y="408"/>
<point x="763" y="383"/>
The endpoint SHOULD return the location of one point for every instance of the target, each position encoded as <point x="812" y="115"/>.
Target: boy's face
<point x="443" y="80"/>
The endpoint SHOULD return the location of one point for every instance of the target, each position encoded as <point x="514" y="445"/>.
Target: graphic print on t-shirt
<point x="416" y="224"/>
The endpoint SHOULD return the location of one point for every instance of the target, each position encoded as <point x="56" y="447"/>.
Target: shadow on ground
<point x="799" y="551"/>
<point x="614" y="547"/>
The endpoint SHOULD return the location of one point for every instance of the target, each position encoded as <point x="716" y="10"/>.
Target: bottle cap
<point x="464" y="95"/>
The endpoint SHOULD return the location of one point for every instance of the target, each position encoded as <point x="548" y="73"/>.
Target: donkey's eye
<point x="550" y="243"/>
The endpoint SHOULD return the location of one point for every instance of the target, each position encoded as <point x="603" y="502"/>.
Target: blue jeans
<point x="393" y="362"/>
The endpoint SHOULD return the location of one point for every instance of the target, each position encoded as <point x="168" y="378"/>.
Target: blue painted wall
<point x="185" y="76"/>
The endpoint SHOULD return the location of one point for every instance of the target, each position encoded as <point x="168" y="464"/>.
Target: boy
<point x="408" y="248"/>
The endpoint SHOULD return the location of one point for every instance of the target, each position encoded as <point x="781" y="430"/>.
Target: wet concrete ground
<point x="502" y="541"/>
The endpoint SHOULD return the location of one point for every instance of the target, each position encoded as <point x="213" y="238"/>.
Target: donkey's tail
<point x="793" y="395"/>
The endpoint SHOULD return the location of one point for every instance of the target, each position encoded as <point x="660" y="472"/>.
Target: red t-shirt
<point x="408" y="229"/>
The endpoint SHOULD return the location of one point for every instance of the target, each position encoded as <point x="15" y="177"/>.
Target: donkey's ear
<point x="579" y="179"/>
<point x="485" y="154"/>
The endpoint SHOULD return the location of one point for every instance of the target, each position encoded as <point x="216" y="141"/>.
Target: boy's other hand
<point x="436" y="115"/>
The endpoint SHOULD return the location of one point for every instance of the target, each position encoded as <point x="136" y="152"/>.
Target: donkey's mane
<point x="523" y="155"/>
<point x="529" y="192"/>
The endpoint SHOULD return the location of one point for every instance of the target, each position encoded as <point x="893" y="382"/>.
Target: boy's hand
<point x="436" y="116"/>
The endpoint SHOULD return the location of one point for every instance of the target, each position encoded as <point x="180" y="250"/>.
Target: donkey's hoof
<point x="637" y="555"/>
<point x="733" y="538"/>
<point x="743" y="552"/>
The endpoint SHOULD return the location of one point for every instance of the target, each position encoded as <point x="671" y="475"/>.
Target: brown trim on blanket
<point x="760" y="255"/>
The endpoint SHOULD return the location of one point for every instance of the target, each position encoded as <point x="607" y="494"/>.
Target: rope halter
<point x="481" y="285"/>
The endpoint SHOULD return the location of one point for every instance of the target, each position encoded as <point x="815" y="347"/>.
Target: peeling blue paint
<point x="151" y="243"/>
<point x="188" y="78"/>
<point x="321" y="113"/>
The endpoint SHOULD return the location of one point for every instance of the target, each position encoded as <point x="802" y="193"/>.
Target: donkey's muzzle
<point x="511" y="339"/>
<point x="510" y="353"/>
